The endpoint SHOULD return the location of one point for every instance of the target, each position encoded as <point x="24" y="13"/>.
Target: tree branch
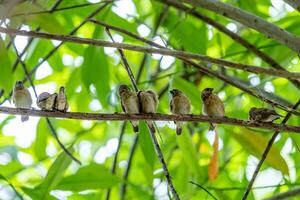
<point x="154" y="117"/>
<point x="288" y="194"/>
<point x="178" y="54"/>
<point x="294" y="3"/>
<point x="265" y="154"/>
<point x="231" y="34"/>
<point x="250" y="20"/>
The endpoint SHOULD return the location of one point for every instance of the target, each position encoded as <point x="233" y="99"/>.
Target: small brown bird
<point x="212" y="104"/>
<point x="130" y="104"/>
<point x="61" y="103"/>
<point x="148" y="104"/>
<point x="179" y="104"/>
<point x="263" y="115"/>
<point x="46" y="101"/>
<point x="22" y="98"/>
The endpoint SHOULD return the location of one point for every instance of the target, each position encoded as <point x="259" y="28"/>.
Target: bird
<point x="46" y="101"/>
<point x="180" y="104"/>
<point x="212" y="104"/>
<point x="148" y="104"/>
<point x="22" y="98"/>
<point x="130" y="104"/>
<point x="263" y="115"/>
<point x="61" y="103"/>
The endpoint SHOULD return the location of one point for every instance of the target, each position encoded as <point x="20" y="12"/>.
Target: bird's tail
<point x="178" y="128"/>
<point x="24" y="118"/>
<point x="151" y="126"/>
<point x="212" y="127"/>
<point x="135" y="126"/>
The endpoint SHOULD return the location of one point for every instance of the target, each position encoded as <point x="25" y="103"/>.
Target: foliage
<point x="31" y="160"/>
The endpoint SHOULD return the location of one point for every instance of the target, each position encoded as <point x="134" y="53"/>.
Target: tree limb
<point x="294" y="3"/>
<point x="284" y="195"/>
<point x="154" y="117"/>
<point x="178" y="54"/>
<point x="269" y="29"/>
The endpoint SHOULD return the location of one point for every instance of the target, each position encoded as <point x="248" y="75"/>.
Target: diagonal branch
<point x="178" y="54"/>
<point x="154" y="117"/>
<point x="250" y="20"/>
<point x="154" y="140"/>
<point x="294" y="3"/>
<point x="265" y="154"/>
<point x="292" y="193"/>
<point x="231" y="34"/>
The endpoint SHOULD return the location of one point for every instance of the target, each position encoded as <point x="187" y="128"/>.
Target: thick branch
<point x="294" y="3"/>
<point x="155" y="117"/>
<point x="284" y="195"/>
<point x="250" y="20"/>
<point x="178" y="54"/>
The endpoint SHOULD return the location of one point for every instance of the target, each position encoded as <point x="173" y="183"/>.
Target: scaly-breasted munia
<point x="148" y="104"/>
<point x="212" y="104"/>
<point x="61" y="103"/>
<point x="263" y="115"/>
<point x="179" y="104"/>
<point x="46" y="101"/>
<point x="130" y="104"/>
<point x="22" y="98"/>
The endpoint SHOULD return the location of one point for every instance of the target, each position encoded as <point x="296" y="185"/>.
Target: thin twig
<point x="165" y="51"/>
<point x="292" y="193"/>
<point x="113" y="167"/>
<point x="265" y="154"/>
<point x="59" y="9"/>
<point x="203" y="188"/>
<point x="153" y="117"/>
<point x="155" y="143"/>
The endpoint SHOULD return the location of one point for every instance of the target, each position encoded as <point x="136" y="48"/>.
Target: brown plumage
<point x="263" y="115"/>
<point x="179" y="104"/>
<point x="46" y="101"/>
<point x="212" y="104"/>
<point x="130" y="104"/>
<point x="61" y="103"/>
<point x="22" y="98"/>
<point x="148" y="104"/>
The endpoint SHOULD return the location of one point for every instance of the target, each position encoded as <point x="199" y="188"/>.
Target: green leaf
<point x="255" y="144"/>
<point x="146" y="145"/>
<point x="93" y="176"/>
<point x="95" y="70"/>
<point x="40" y="143"/>
<point x="54" y="175"/>
<point x="6" y="80"/>
<point x="189" y="154"/>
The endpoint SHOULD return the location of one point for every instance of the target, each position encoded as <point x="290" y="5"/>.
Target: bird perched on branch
<point x="22" y="98"/>
<point x="148" y="104"/>
<point x="130" y="104"/>
<point x="46" y="101"/>
<point x="212" y="104"/>
<point x="179" y="104"/>
<point x="61" y="103"/>
<point x="263" y="115"/>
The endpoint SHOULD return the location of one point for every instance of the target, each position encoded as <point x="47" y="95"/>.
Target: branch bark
<point x="250" y="20"/>
<point x="178" y="54"/>
<point x="294" y="3"/>
<point x="288" y="194"/>
<point x="154" y="117"/>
